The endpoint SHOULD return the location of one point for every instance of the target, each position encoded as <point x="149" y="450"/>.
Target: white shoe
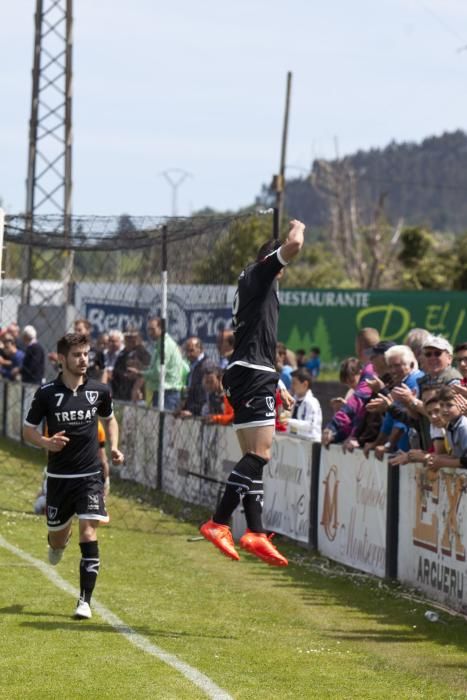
<point x="83" y="611"/>
<point x="55" y="555"/>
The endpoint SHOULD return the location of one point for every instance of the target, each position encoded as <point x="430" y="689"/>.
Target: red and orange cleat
<point x="221" y="537"/>
<point x="259" y="544"/>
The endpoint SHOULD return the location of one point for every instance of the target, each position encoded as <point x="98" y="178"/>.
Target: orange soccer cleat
<point x="221" y="537"/>
<point x="259" y="544"/>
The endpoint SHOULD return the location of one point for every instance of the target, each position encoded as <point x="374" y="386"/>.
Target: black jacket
<point x="33" y="367"/>
<point x="196" y="395"/>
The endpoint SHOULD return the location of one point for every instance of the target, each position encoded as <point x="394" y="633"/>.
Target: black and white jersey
<point x="255" y="314"/>
<point x="75" y="412"/>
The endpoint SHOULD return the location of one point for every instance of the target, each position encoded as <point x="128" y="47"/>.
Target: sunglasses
<point x="433" y="353"/>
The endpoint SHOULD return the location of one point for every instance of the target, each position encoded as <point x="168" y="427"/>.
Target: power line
<point x="446" y="26"/>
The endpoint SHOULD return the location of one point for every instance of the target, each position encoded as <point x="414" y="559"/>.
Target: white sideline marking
<point x="192" y="674"/>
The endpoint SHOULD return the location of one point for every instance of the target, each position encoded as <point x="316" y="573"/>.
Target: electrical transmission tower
<point x="49" y="185"/>
<point x="175" y="177"/>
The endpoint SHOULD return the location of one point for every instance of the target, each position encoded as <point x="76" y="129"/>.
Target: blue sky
<point x="200" y="86"/>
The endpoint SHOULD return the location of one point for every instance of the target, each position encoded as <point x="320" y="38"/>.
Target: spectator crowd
<point x="407" y="400"/>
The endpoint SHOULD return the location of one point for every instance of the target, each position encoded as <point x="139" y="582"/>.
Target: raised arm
<point x="294" y="241"/>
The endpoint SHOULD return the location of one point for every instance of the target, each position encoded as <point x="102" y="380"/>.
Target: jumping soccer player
<point x="250" y="382"/>
<point x="71" y="405"/>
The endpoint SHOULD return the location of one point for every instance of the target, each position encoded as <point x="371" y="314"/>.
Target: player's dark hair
<point x="461" y="346"/>
<point x="267" y="248"/>
<point x="302" y="375"/>
<point x="69" y="341"/>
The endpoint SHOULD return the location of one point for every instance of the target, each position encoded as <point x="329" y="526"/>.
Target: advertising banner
<point x="433" y="533"/>
<point x="327" y="318"/>
<point x="192" y="310"/>
<point x="330" y="318"/>
<point x="287" y="483"/>
<point x="352" y="509"/>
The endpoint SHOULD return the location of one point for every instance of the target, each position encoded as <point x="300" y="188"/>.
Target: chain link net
<point x="109" y="271"/>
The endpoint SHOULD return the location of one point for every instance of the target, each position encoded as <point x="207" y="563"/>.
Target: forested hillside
<point x="424" y="184"/>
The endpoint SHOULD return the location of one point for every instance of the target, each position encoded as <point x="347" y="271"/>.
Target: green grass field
<point x="254" y="631"/>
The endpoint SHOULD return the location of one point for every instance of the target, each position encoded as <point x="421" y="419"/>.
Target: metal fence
<point x="116" y="272"/>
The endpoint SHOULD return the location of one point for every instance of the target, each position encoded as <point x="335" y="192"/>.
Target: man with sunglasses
<point x="437" y="362"/>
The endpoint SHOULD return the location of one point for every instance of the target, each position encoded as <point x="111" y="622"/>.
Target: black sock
<point x="253" y="507"/>
<point x="243" y="477"/>
<point x="88" y="569"/>
<point x="253" y="501"/>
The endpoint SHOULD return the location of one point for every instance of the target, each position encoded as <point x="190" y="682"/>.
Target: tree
<point x="416" y="243"/>
<point x="363" y="251"/>
<point x="429" y="262"/>
<point x="125" y="226"/>
<point x="233" y="251"/>
<point x="460" y="281"/>
<point x="321" y="339"/>
<point x="315" y="267"/>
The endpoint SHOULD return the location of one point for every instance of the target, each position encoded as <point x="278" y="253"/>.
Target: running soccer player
<point x="250" y="382"/>
<point x="71" y="405"/>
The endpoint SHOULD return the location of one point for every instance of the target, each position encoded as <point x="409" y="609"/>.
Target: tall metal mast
<point x="49" y="185"/>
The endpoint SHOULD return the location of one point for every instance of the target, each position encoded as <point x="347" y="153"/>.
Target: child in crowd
<point x="313" y="365"/>
<point x="300" y="356"/>
<point x="216" y="409"/>
<point x="306" y="416"/>
<point x="460" y="356"/>
<point x="349" y="374"/>
<point x="433" y="409"/>
<point x="456" y="433"/>
<point x="285" y="364"/>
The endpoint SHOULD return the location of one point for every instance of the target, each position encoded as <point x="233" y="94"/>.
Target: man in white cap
<point x="437" y="363"/>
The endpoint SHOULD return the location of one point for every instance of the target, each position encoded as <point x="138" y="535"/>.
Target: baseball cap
<point x="438" y="342"/>
<point x="380" y="348"/>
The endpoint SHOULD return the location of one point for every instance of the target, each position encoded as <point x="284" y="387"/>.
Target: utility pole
<point x="49" y="183"/>
<point x="175" y="177"/>
<point x="278" y="181"/>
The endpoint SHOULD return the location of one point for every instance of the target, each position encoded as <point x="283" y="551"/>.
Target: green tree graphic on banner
<point x="296" y="340"/>
<point x="319" y="337"/>
<point x="322" y="340"/>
